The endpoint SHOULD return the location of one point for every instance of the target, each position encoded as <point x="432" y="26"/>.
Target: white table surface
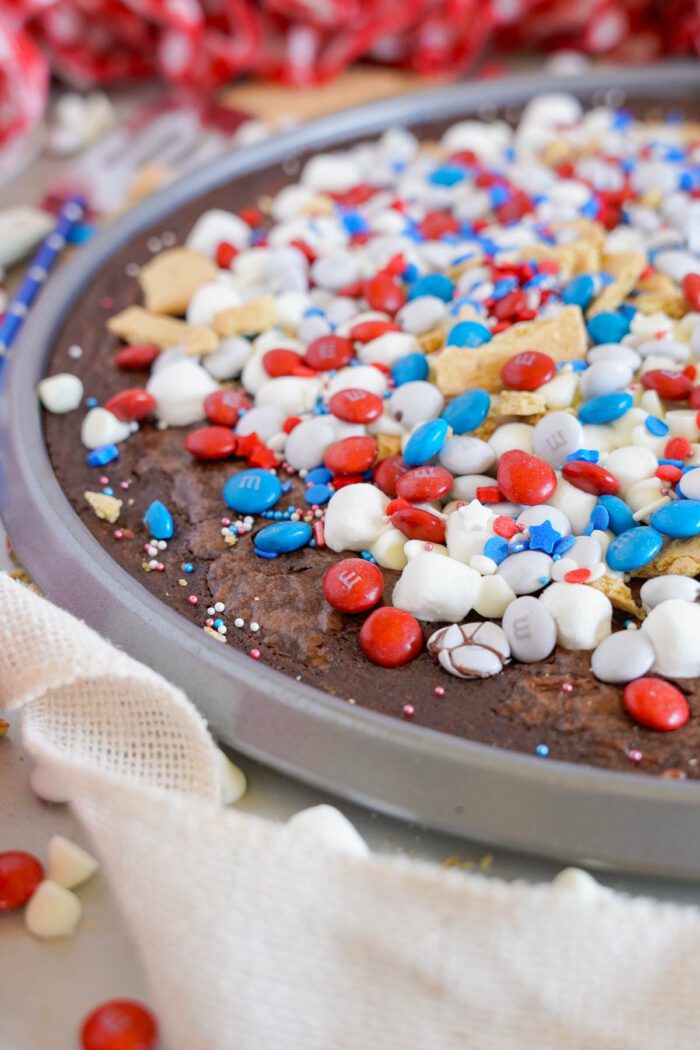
<point x="46" y="988"/>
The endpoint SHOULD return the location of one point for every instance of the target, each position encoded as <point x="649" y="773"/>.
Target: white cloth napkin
<point x="259" y="936"/>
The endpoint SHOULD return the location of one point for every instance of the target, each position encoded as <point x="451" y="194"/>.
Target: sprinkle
<point x="544" y="537"/>
<point x="255" y="627"/>
<point x="239" y="622"/>
<point x="439" y="690"/>
<point x="634" y="755"/>
<point x="567" y="687"/>
<point x="193" y="599"/>
<point x="408" y="710"/>
<point x="188" y="567"/>
<point x="542" y="750"/>
<point x="255" y="653"/>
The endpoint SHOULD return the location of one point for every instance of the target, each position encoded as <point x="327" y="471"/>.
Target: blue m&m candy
<point x="467" y="411"/>
<point x="580" y="291"/>
<point x="425" y="442"/>
<point x="410" y="368"/>
<point x="252" y="491"/>
<point x="159" y="521"/>
<point x="619" y="514"/>
<point x="468" y="333"/>
<point x="605" y="408"/>
<point x="282" y="537"/>
<point x="679" y="519"/>
<point x="318" y="493"/>
<point x="608" y="327"/>
<point x="634" y="548"/>
<point x="447" y="175"/>
<point x="432" y="284"/>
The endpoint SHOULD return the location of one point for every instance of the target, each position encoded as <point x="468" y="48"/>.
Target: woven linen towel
<point x="262" y="936"/>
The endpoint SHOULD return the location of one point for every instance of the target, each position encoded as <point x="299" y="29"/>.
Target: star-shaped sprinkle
<point x="475" y="516"/>
<point x="543" y="537"/>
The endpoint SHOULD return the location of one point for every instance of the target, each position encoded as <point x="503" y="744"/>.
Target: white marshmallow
<point x="574" y="503"/>
<point x="47" y="785"/>
<point x="630" y="464"/>
<point x="293" y="395"/>
<point x="468" y="529"/>
<point x="69" y="865"/>
<point x="231" y="779"/>
<point x="227" y="362"/>
<point x="264" y="421"/>
<point x="100" y="427"/>
<point x="355" y="518"/>
<point x="332" y="172"/>
<point x="308" y="443"/>
<point x="560" y="391"/>
<point x="60" y="393"/>
<point x="495" y="595"/>
<point x="180" y="391"/>
<point x="433" y="587"/>
<point x="583" y="615"/>
<point x="327" y="825"/>
<point x="215" y="226"/>
<point x="673" y="628"/>
<point x="52" y="911"/>
<point x="578" y="881"/>
<point x="390" y="549"/>
<point x="209" y="300"/>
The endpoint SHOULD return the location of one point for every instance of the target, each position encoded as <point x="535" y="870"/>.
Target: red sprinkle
<point x="678" y="448"/>
<point x="319" y="534"/>
<point x="20" y="874"/>
<point x="225" y="254"/>
<point x="671" y="386"/>
<point x="589" y="477"/>
<point x="505" y="527"/>
<point x="255" y="653"/>
<point x="656" y="704"/>
<point x="223" y="407"/>
<point x="424" y="484"/>
<point x="121" y="1024"/>
<point x="667" y="472"/>
<point x="280" y="362"/>
<point x="353" y="405"/>
<point x="691" y="289"/>
<point x="419" y="524"/>
<point x="391" y="637"/>
<point x="528" y="370"/>
<point x="383" y="292"/>
<point x="366" y="331"/>
<point x="291" y="422"/>
<point x="489" y="494"/>
<point x="328" y="352"/>
<point x="577" y="576"/>
<point x="353" y="585"/>
<point x="132" y="404"/>
<point x="209" y="443"/>
<point x="136" y="358"/>
<point x="352" y="455"/>
<point x="525" y="479"/>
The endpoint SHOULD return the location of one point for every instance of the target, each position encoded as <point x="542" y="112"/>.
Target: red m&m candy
<point x="356" y="406"/>
<point x="525" y="479"/>
<point x="589" y="477"/>
<point x="352" y="455"/>
<point x="223" y="407"/>
<point x="353" y="585"/>
<point x="678" y="448"/>
<point x="328" y="352"/>
<point x="20" y="874"/>
<point x="131" y="405"/>
<point x="391" y="637"/>
<point x="671" y="386"/>
<point x="366" y="331"/>
<point x="691" y="289"/>
<point x="120" y="1024"/>
<point x="656" y="704"/>
<point x="528" y="370"/>
<point x="694" y="398"/>
<point x="387" y="473"/>
<point x="136" y="358"/>
<point x="419" y="524"/>
<point x="424" y="484"/>
<point x="211" y="442"/>
<point x="383" y="292"/>
<point x="280" y="362"/>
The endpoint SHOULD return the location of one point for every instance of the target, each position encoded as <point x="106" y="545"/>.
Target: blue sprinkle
<point x="673" y="463"/>
<point x="468" y="333"/>
<point x="319" y="493"/>
<point x="656" y="426"/>
<point x="218" y="622"/>
<point x="80" y="234"/>
<point x="563" y="545"/>
<point x="313" y="311"/>
<point x="108" y="491"/>
<point x="91" y="402"/>
<point x="286" y="486"/>
<point x="499" y="195"/>
<point x="544" y="537"/>
<point x="159" y="521"/>
<point x="542" y="750"/>
<point x="590" y="455"/>
<point x="100" y="457"/>
<point x="504" y="287"/>
<point x="354" y="223"/>
<point x="410" y="274"/>
<point x="368" y="556"/>
<point x="436" y="284"/>
<point x="600" y="517"/>
<point x="188" y="567"/>
<point x="516" y="546"/>
<point x="447" y="175"/>
<point x="264" y="554"/>
<point x="497" y="549"/>
<point x="588" y="529"/>
<point x="608" y="327"/>
<point x="605" y="408"/>
<point x="590" y="209"/>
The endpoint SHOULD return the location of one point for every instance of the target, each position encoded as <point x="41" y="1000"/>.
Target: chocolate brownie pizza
<point x="421" y="428"/>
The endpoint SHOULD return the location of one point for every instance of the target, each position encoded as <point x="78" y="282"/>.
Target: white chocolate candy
<point x="60" y="393"/>
<point x="52" y="911"/>
<point x="471" y="650"/>
<point x="415" y="402"/>
<point x="665" y="588"/>
<point x="673" y="628"/>
<point x="308" y="443"/>
<point x="557" y="436"/>
<point x="215" y="226"/>
<point x="362" y="377"/>
<point x="526" y="572"/>
<point x="466" y="455"/>
<point x="583" y="615"/>
<point x="530" y="629"/>
<point x="232" y="779"/>
<point x="388" y="348"/>
<point x="180" y="391"/>
<point x="536" y="515"/>
<point x="332" y="172"/>
<point x="464" y="488"/>
<point x="560" y="392"/>
<point x="355" y="518"/>
<point x="585" y="551"/>
<point x="511" y="436"/>
<point x="228" y="361"/>
<point x="495" y="594"/>
<point x="100" y="427"/>
<point x="630" y="464"/>
<point x="435" y="588"/>
<point x="209" y="300"/>
<point x="293" y="395"/>
<point x="575" y="504"/>
<point x="69" y="865"/>
<point x="622" y="657"/>
<point x="264" y="421"/>
<point x="604" y="377"/>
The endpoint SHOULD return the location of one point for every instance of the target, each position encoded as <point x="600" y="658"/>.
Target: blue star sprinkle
<point x="544" y="537"/>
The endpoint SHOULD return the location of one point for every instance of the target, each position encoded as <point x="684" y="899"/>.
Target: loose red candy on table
<point x="656" y="704"/>
<point x="131" y="405"/>
<point x="669" y="385"/>
<point x="209" y="443"/>
<point x="352" y="455"/>
<point x="383" y="292"/>
<point x="20" y="874"/>
<point x="691" y="289"/>
<point x="120" y="1024"/>
<point x="328" y="352"/>
<point x="353" y="585"/>
<point x="418" y="524"/>
<point x="280" y="363"/>
<point x="136" y="358"/>
<point x="391" y="637"/>
<point x="356" y="406"/>
<point x="424" y="484"/>
<point x="224" y="407"/>
<point x="366" y="331"/>
<point x="590" y="477"/>
<point x="525" y="479"/>
<point x="387" y="473"/>
<point x="528" y="370"/>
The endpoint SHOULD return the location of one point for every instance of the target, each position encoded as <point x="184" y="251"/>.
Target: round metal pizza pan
<point x="570" y="812"/>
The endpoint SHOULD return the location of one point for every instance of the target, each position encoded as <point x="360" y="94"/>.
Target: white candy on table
<point x="669" y="348"/>
<point x="511" y="436"/>
<point x="604" y="377"/>
<point x="673" y="628"/>
<point x="683" y="423"/>
<point x="215" y="226"/>
<point x="616" y="352"/>
<point x="69" y="865"/>
<point x="483" y="565"/>
<point x="582" y="614"/>
<point x="387" y="349"/>
<point x="585" y="551"/>
<point x="527" y="571"/>
<point x="326" y="825"/>
<point x="52" y="911"/>
<point x="664" y="588"/>
<point x="47" y="785"/>
<point x="355" y="518"/>
<point x="622" y="657"/>
<point x="435" y="588"/>
<point x="471" y="650"/>
<point x="362" y="377"/>
<point x="578" y="881"/>
<point x="420" y="315"/>
<point x="100" y="427"/>
<point x="530" y="629"/>
<point x="60" y="393"/>
<point x="335" y="271"/>
<point x="180" y="392"/>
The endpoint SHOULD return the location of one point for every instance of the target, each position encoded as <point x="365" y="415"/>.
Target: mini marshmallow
<point x="495" y="595"/>
<point x="100" y="427"/>
<point x="69" y="865"/>
<point x="559" y="392"/>
<point x="228" y="361"/>
<point x="673" y="628"/>
<point x="52" y="911"/>
<point x="332" y="172"/>
<point x="47" y="785"/>
<point x="575" y="504"/>
<point x="389" y="550"/>
<point x="231" y="779"/>
<point x="215" y="226"/>
<point x="468" y="529"/>
<point x="412" y="548"/>
<point x="293" y="395"/>
<point x="355" y="518"/>
<point x="435" y="588"/>
<point x="415" y="402"/>
<point x="209" y="300"/>
<point x="60" y="393"/>
<point x="578" y="881"/>
<point x="665" y="588"/>
<point x="630" y="464"/>
<point x="180" y="392"/>
<point x="583" y="615"/>
<point x="264" y="421"/>
<point x="308" y="442"/>
<point x="326" y="825"/>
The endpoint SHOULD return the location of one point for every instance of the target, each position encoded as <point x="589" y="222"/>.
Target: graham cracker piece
<point x="626" y="268"/>
<point x="486" y="429"/>
<point x="659" y="293"/>
<point x="170" y="279"/>
<point x="519" y="403"/>
<point x="4" y="726"/>
<point x="619" y="594"/>
<point x="572" y="257"/>
<point x="387" y="445"/>
<point x="106" y="508"/>
<point x="138" y="325"/>
<point x="563" y="337"/>
<point x="249" y="318"/>
<point x="678" y="558"/>
<point x="433" y="340"/>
